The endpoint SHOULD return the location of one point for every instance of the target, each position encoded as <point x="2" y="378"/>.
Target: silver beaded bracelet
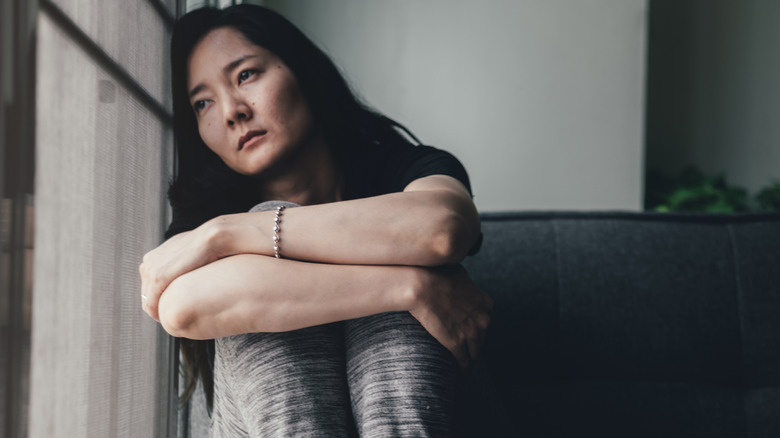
<point x="277" y="229"/>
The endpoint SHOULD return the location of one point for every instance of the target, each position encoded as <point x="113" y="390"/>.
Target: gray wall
<point x="714" y="88"/>
<point x="543" y="101"/>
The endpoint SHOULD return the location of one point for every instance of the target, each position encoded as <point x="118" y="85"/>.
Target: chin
<point x="257" y="170"/>
<point x="252" y="173"/>
<point x="251" y="166"/>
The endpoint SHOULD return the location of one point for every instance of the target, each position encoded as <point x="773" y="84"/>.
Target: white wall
<point x="543" y="101"/>
<point x="714" y="89"/>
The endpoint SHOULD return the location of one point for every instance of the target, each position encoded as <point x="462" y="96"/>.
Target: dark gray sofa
<point x="623" y="325"/>
<point x="633" y="324"/>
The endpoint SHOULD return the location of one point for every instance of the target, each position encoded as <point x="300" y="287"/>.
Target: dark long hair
<point x="203" y="186"/>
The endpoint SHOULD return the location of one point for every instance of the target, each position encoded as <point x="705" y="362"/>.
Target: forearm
<point x="254" y="293"/>
<point x="421" y="227"/>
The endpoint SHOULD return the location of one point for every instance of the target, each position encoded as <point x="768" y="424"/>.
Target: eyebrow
<point x="232" y="65"/>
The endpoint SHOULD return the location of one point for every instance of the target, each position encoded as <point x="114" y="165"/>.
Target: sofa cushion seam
<point x="739" y="307"/>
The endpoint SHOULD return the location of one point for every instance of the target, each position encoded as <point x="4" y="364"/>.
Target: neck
<point x="310" y="177"/>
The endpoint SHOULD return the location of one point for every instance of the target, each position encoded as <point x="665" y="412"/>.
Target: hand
<point x="179" y="255"/>
<point x="453" y="310"/>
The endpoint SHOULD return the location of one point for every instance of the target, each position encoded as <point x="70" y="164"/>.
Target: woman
<point x="332" y="318"/>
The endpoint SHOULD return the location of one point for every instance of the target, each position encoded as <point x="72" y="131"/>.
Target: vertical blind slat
<point x="100" y="176"/>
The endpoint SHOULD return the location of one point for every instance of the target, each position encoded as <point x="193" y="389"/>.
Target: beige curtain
<point x="99" y="366"/>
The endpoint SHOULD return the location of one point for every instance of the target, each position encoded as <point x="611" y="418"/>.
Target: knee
<point x="271" y="205"/>
<point x="395" y="343"/>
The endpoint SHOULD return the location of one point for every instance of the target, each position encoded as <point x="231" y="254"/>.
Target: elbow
<point x="452" y="239"/>
<point x="177" y="324"/>
<point x="176" y="317"/>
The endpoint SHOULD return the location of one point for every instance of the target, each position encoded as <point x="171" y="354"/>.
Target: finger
<point x="461" y="354"/>
<point x="491" y="303"/>
<point x="458" y="350"/>
<point x="145" y="287"/>
<point x="151" y="302"/>
<point x="141" y="271"/>
<point x="149" y="298"/>
<point x="473" y="347"/>
<point x="482" y="333"/>
<point x="144" y="293"/>
<point x="145" y="302"/>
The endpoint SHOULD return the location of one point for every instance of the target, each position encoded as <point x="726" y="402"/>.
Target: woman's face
<point x="248" y="105"/>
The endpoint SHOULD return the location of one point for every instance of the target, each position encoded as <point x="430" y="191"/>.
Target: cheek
<point x="283" y="97"/>
<point x="294" y="108"/>
<point x="208" y="134"/>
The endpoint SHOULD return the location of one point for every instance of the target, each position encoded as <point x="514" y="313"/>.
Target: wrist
<point x="254" y="233"/>
<point x="221" y="236"/>
<point x="415" y="292"/>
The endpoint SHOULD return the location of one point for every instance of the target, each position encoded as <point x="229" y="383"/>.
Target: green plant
<point x="694" y="191"/>
<point x="768" y="198"/>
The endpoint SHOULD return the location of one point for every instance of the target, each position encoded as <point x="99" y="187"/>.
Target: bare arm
<point x="433" y="222"/>
<point x="218" y="279"/>
<point x="251" y="293"/>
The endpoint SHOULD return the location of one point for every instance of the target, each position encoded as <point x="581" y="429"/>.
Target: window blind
<point x="99" y="366"/>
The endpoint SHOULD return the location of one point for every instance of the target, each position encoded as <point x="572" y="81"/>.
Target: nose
<point x="237" y="111"/>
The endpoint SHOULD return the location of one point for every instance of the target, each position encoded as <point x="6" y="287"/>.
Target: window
<point x="86" y="116"/>
<point x="85" y="159"/>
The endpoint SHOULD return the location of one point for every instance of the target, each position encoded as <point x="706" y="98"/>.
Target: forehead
<point x="218" y="48"/>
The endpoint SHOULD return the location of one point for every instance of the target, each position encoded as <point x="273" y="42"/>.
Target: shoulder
<point x="386" y="168"/>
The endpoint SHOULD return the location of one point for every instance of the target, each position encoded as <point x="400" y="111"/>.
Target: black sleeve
<point x="413" y="162"/>
<point x="380" y="169"/>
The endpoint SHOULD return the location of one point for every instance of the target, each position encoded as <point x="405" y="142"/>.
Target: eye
<point x="246" y="74"/>
<point x="199" y="105"/>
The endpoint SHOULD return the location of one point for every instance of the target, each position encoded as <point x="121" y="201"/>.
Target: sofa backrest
<point x="634" y="324"/>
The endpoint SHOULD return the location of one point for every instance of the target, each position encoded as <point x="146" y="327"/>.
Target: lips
<point x="249" y="136"/>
